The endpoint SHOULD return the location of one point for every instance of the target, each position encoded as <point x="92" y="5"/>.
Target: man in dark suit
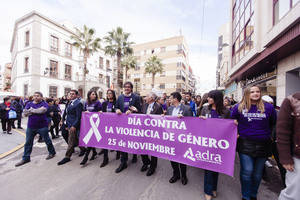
<point x="179" y="110"/>
<point x="150" y="108"/>
<point x="127" y="103"/>
<point x="73" y="118"/>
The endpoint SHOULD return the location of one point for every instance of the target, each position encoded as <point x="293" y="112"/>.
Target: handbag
<point x="12" y="114"/>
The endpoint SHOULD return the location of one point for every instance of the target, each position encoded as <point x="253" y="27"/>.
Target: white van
<point x="5" y="94"/>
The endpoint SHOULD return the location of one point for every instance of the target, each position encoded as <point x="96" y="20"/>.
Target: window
<point x="53" y="43"/>
<point x="101" y="62"/>
<point x="162" y="86"/>
<point x="53" y="69"/>
<point x="27" y="37"/>
<point x="101" y="78"/>
<point x="53" y="91"/>
<point x="162" y="49"/>
<point x="26" y="63"/>
<point x="163" y="74"/>
<point x="281" y="7"/>
<point x="68" y="49"/>
<point x="242" y="29"/>
<point x="107" y="64"/>
<point x="108" y="81"/>
<point x="67" y="90"/>
<point x="26" y="90"/>
<point x="68" y="72"/>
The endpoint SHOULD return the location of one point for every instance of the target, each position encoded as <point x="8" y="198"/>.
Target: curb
<point x="3" y="155"/>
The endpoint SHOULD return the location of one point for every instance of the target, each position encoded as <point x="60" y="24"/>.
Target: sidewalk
<point x="13" y="142"/>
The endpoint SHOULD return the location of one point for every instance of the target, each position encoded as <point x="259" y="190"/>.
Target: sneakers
<point x="22" y="162"/>
<point x="50" y="156"/>
<point x="4" y="132"/>
<point x="9" y="133"/>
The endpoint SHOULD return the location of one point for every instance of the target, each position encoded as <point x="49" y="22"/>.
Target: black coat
<point x="156" y="109"/>
<point x="104" y="106"/>
<point x="135" y="101"/>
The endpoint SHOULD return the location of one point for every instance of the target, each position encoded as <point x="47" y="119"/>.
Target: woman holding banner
<point x="91" y="105"/>
<point x="109" y="106"/>
<point x="255" y="122"/>
<point x="215" y="109"/>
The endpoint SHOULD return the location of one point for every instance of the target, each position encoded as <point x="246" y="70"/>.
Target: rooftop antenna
<point x="180" y="32"/>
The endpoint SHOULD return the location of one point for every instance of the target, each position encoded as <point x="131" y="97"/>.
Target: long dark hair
<point x="89" y="98"/>
<point x="217" y="96"/>
<point x="114" y="95"/>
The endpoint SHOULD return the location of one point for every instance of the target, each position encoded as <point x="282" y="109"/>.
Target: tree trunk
<point x="153" y="76"/>
<point x="84" y="76"/>
<point x="119" y="78"/>
<point x="126" y="71"/>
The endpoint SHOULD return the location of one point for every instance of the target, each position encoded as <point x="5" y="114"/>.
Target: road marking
<point x="14" y="149"/>
<point x="20" y="132"/>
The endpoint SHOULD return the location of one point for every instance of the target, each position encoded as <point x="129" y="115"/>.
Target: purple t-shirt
<point x="126" y="103"/>
<point x="93" y="107"/>
<point x="254" y="125"/>
<point x="164" y="106"/>
<point x="37" y="121"/>
<point x="110" y="107"/>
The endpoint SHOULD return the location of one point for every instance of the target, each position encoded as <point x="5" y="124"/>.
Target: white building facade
<point x="44" y="59"/>
<point x="265" y="44"/>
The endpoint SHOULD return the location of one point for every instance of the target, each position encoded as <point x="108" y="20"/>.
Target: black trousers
<point x="178" y="169"/>
<point x="54" y="126"/>
<point x="64" y="133"/>
<point x="124" y="157"/>
<point x="147" y="161"/>
<point x="6" y="124"/>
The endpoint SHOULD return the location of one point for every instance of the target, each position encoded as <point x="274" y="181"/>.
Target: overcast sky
<point x="146" y="20"/>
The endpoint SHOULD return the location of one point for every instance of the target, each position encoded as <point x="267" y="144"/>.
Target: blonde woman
<point x="255" y="122"/>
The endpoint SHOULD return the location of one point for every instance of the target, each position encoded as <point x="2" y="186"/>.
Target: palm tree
<point x="118" y="45"/>
<point x="128" y="62"/>
<point x="153" y="66"/>
<point x="87" y="43"/>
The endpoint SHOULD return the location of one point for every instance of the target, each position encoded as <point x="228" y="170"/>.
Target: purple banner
<point x="205" y="143"/>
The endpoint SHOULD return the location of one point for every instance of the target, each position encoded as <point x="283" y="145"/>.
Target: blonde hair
<point x="245" y="104"/>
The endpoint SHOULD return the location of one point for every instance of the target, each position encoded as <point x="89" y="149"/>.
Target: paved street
<point x="14" y="141"/>
<point x="42" y="179"/>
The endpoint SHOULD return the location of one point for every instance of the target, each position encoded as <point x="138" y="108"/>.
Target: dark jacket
<point x="104" y="106"/>
<point x="288" y="129"/>
<point x="135" y="101"/>
<point x="73" y="114"/>
<point x="184" y="110"/>
<point x="206" y="110"/>
<point x="18" y="106"/>
<point x="4" y="112"/>
<point x="156" y="109"/>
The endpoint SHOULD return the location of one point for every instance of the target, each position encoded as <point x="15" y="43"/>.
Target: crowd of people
<point x="263" y="130"/>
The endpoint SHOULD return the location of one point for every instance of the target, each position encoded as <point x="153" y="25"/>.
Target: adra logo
<point x="205" y="156"/>
<point x="189" y="154"/>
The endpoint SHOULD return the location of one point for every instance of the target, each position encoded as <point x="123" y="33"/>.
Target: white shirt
<point x="176" y="110"/>
<point x="149" y="109"/>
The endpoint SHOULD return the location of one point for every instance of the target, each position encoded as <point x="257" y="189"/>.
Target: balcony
<point x="68" y="77"/>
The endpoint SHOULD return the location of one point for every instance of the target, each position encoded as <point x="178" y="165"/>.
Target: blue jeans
<point x="250" y="174"/>
<point x="30" y="134"/>
<point x="210" y="182"/>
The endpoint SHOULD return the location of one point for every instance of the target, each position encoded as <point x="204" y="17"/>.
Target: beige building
<point x="265" y="44"/>
<point x="177" y="75"/>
